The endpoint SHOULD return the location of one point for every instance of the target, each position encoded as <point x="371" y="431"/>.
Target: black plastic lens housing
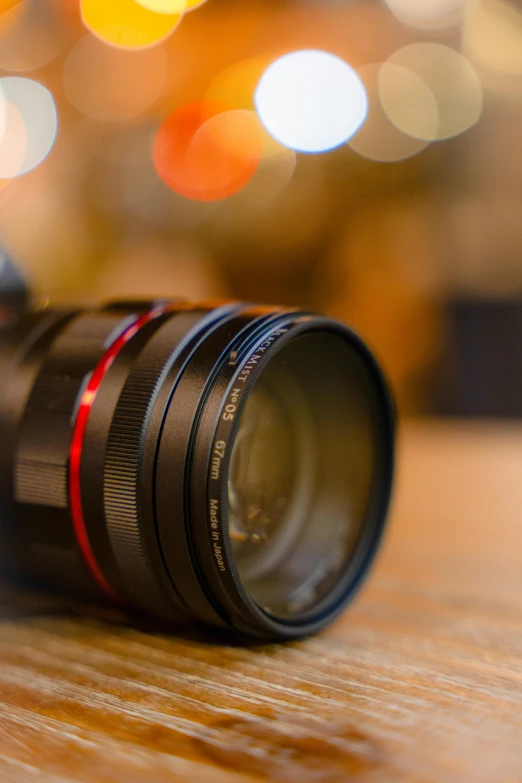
<point x="217" y="463"/>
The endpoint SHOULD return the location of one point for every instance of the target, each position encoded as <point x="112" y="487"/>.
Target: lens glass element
<point x="301" y="473"/>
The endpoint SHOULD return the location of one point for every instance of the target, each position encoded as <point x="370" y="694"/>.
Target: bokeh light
<point x="127" y="25"/>
<point x="225" y="152"/>
<point x="235" y="88"/>
<point x="429" y="15"/>
<point x="275" y="173"/>
<point x="272" y="177"/>
<point x="11" y="12"/>
<point x="13" y="144"/>
<point x="311" y="101"/>
<point x="492" y="38"/>
<point x="113" y="85"/>
<point x="237" y="84"/>
<point x="35" y="105"/>
<point x="30" y="36"/>
<point x="379" y="139"/>
<point x="452" y="81"/>
<point x="164" y="6"/>
<point x="207" y="154"/>
<point x="11" y="15"/>
<point x="408" y="102"/>
<point x="5" y="5"/>
<point x="3" y="113"/>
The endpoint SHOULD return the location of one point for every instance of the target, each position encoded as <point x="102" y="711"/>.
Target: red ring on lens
<point x="86" y="402"/>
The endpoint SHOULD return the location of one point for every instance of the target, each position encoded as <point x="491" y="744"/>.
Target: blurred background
<point x="361" y="157"/>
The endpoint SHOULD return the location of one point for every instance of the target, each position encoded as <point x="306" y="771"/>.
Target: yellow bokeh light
<point x="493" y="38"/>
<point x="164" y="6"/>
<point x="408" y="102"/>
<point x="193" y="4"/>
<point x="379" y="139"/>
<point x="236" y="85"/>
<point x="452" y="81"/>
<point x="125" y="24"/>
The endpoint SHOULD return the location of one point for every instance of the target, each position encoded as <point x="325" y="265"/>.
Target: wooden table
<point x="421" y="680"/>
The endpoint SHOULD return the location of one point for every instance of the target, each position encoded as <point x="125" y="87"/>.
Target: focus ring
<point x="134" y="543"/>
<point x="122" y="473"/>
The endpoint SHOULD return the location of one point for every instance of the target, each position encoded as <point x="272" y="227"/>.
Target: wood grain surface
<point x="420" y="681"/>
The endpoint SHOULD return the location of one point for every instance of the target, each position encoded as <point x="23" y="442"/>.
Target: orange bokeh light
<point x="207" y="153"/>
<point x="11" y="14"/>
<point x="125" y="24"/>
<point x="113" y="85"/>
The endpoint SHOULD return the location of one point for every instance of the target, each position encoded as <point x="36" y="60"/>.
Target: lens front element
<point x="264" y="477"/>
<point x="302" y="472"/>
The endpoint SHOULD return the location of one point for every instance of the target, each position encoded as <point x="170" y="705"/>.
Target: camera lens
<point x="226" y="464"/>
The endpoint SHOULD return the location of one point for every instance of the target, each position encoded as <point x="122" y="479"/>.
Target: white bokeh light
<point x="429" y="15"/>
<point x="3" y="113"/>
<point x="492" y="38"/>
<point x="37" y="110"/>
<point x="311" y="101"/>
<point x="453" y="83"/>
<point x="379" y="139"/>
<point x="408" y="102"/>
<point x="13" y="145"/>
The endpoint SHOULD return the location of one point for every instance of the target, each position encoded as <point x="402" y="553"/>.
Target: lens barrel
<point x="218" y="463"/>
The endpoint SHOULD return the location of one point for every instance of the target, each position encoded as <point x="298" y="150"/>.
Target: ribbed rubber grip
<point x="129" y="537"/>
<point x="122" y="471"/>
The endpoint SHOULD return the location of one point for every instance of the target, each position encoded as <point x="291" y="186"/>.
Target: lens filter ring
<point x="211" y="464"/>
